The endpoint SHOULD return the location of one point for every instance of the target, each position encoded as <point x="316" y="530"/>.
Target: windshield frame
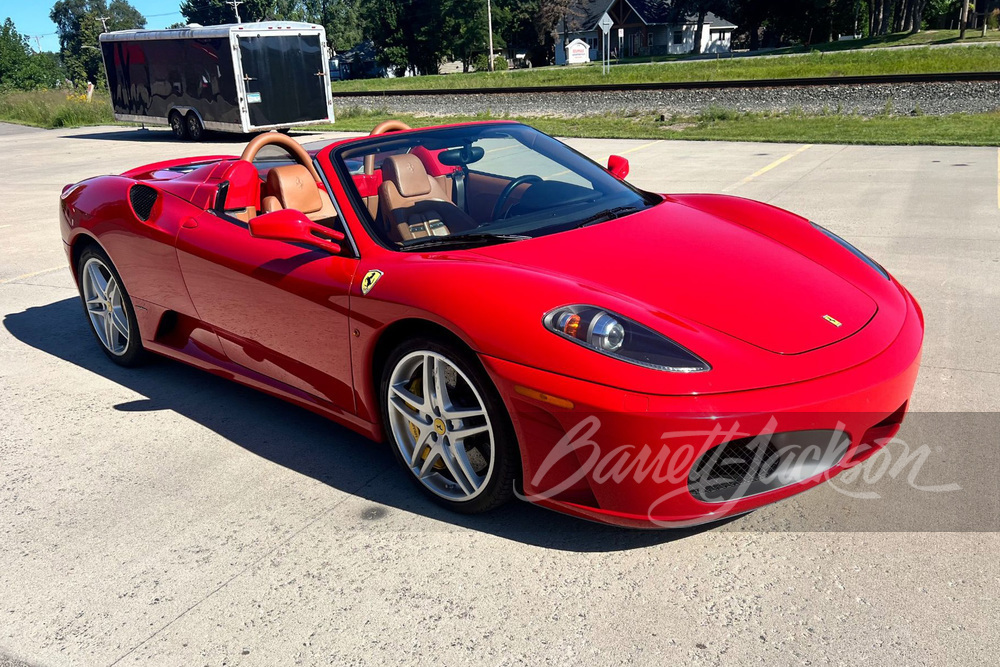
<point x="335" y="157"/>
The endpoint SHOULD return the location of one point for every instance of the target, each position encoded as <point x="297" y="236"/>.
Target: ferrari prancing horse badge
<point x="369" y="281"/>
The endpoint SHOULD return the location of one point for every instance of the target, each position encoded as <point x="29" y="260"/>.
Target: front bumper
<point x="624" y="458"/>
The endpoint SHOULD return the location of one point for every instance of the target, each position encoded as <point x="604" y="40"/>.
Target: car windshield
<point x="478" y="184"/>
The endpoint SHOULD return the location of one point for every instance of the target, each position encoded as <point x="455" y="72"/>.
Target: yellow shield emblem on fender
<point x="369" y="280"/>
<point x="835" y="322"/>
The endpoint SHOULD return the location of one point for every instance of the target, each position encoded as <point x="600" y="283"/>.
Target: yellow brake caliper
<point x="416" y="388"/>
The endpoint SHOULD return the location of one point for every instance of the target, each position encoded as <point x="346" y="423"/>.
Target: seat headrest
<point x="408" y="174"/>
<point x="294" y="186"/>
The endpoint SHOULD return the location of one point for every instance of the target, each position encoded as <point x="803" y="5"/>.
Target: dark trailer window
<point x="284" y="78"/>
<point x="151" y="77"/>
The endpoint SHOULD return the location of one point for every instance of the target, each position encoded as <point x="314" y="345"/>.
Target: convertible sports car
<point x="514" y="318"/>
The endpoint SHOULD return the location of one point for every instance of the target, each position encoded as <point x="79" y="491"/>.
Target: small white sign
<point x="253" y="98"/>
<point x="605" y="23"/>
<point x="577" y="52"/>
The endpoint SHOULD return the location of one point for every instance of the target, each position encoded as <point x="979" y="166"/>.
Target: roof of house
<point x="583" y="15"/>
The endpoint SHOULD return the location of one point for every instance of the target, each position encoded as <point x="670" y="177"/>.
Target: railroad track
<point x="691" y="85"/>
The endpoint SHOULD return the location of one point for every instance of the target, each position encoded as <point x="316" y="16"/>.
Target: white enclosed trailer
<point x="244" y="77"/>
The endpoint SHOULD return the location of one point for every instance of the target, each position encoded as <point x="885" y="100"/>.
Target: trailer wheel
<point x="178" y="125"/>
<point x="194" y="128"/>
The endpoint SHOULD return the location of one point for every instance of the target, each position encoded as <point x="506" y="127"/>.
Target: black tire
<point x="498" y="487"/>
<point x="177" y="125"/>
<point x="133" y="353"/>
<point x="195" y="131"/>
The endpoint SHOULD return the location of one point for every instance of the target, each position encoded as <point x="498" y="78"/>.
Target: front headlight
<point x="857" y="253"/>
<point x="621" y="338"/>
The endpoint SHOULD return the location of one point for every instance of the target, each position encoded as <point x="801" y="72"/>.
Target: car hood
<point x="702" y="268"/>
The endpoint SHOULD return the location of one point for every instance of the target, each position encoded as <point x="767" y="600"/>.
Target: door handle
<point x="189" y="223"/>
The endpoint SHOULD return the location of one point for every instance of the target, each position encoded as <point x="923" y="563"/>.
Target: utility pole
<point x="965" y="18"/>
<point x="489" y="27"/>
<point x="236" y="8"/>
<point x="38" y="41"/>
<point x="104" y="22"/>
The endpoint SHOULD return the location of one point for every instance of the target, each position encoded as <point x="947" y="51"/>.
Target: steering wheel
<point x="391" y="125"/>
<point x="509" y="190"/>
<point x="292" y="147"/>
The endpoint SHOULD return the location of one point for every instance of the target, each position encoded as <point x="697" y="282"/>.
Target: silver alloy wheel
<point x="104" y="303"/>
<point x="440" y="425"/>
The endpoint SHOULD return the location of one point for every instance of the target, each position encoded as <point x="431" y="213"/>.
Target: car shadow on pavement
<point x="299" y="440"/>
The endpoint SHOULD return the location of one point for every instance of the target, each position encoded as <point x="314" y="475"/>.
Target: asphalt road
<point x="165" y="516"/>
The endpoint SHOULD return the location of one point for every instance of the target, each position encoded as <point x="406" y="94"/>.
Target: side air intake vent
<point x="142" y="198"/>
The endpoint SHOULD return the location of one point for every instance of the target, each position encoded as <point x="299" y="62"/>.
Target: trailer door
<point x="284" y="80"/>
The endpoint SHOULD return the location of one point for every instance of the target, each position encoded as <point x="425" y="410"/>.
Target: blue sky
<point x="31" y="17"/>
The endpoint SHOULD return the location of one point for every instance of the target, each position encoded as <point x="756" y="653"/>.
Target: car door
<point x="280" y="309"/>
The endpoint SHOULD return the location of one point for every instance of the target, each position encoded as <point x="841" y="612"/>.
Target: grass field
<point x="814" y="64"/>
<point x="722" y="125"/>
<point x="54" y="108"/>
<point x="923" y="38"/>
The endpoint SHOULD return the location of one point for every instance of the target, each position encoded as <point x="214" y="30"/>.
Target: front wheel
<point x="109" y="309"/>
<point x="448" y="426"/>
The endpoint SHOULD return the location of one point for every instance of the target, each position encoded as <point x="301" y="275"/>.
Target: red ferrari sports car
<point x="512" y="317"/>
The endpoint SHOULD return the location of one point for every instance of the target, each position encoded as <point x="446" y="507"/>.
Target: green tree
<point x="22" y="69"/>
<point x="78" y="23"/>
<point x="218" y="12"/>
<point x="408" y="33"/>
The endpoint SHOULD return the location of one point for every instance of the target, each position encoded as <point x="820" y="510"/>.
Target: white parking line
<point x="769" y="167"/>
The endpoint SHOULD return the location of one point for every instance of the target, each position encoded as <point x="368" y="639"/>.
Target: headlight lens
<point x="857" y="253"/>
<point x="621" y="338"/>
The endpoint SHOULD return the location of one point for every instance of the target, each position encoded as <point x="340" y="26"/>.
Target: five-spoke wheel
<point x="108" y="307"/>
<point x="448" y="427"/>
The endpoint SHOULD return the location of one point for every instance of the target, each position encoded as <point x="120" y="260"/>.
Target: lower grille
<point x="751" y="466"/>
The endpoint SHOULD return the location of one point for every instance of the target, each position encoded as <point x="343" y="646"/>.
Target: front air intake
<point x="142" y="198"/>
<point x="750" y="466"/>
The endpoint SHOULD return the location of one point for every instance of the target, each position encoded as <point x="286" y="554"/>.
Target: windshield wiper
<point x="461" y="240"/>
<point x="609" y="214"/>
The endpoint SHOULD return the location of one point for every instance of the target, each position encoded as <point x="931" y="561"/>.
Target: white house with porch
<point x="640" y="28"/>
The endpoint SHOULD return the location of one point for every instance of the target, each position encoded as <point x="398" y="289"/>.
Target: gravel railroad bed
<point x="868" y="99"/>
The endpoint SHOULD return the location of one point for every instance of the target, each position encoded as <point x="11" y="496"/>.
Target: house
<point x="639" y="28"/>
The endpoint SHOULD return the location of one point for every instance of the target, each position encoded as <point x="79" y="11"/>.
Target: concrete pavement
<point x="165" y="516"/>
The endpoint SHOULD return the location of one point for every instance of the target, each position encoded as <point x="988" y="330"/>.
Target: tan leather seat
<point x="292" y="186"/>
<point x="414" y="204"/>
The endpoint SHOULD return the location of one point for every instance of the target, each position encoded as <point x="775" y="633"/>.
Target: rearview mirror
<point x="293" y="226"/>
<point x="618" y="166"/>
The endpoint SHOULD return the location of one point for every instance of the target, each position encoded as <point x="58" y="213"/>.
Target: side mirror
<point x="293" y="226"/>
<point x="618" y="166"/>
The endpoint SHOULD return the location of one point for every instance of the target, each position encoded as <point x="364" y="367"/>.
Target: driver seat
<point x="414" y="205"/>
<point x="292" y="186"/>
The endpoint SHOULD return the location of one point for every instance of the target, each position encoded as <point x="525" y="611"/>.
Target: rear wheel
<point x="177" y="125"/>
<point x="448" y="426"/>
<point x="109" y="309"/>
<point x="194" y="127"/>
